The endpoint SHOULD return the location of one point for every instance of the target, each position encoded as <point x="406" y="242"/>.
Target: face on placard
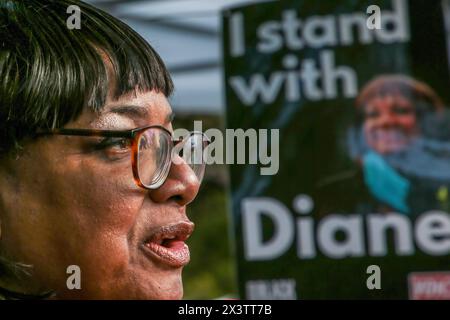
<point x="390" y="123"/>
<point x="71" y="200"/>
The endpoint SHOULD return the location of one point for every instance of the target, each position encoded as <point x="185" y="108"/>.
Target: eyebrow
<point x="138" y="112"/>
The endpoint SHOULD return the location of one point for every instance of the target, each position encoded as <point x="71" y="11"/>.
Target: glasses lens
<point x="193" y="153"/>
<point x="154" y="151"/>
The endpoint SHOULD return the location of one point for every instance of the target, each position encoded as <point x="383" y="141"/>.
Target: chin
<point x="174" y="293"/>
<point x="168" y="286"/>
<point x="386" y="149"/>
<point x="140" y="288"/>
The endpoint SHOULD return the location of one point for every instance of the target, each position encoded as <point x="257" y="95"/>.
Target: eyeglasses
<point x="152" y="151"/>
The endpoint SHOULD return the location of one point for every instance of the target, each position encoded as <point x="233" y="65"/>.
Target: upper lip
<point x="180" y="231"/>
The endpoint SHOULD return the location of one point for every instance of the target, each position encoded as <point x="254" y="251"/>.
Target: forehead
<point x="388" y="101"/>
<point x="130" y="111"/>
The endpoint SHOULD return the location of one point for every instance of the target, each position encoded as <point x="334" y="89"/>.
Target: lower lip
<point x="176" y="254"/>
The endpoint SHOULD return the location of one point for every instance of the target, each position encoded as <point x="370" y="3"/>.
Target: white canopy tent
<point x="187" y="35"/>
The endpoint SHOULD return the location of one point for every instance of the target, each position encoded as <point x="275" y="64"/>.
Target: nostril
<point x="177" y="198"/>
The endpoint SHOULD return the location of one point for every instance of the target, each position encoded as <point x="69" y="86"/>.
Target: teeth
<point x="161" y="241"/>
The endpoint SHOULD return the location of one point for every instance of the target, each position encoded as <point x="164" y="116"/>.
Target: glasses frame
<point x="133" y="135"/>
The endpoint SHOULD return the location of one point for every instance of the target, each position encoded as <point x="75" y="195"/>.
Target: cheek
<point x="368" y="124"/>
<point x="408" y="123"/>
<point x="69" y="212"/>
<point x="98" y="218"/>
<point x="368" y="127"/>
<point x="107" y="190"/>
<point x="108" y="205"/>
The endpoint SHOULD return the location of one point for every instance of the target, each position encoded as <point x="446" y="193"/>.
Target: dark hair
<point x="412" y="89"/>
<point x="49" y="73"/>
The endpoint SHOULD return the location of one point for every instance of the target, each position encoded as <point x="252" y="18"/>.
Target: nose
<point x="181" y="185"/>
<point x="386" y="119"/>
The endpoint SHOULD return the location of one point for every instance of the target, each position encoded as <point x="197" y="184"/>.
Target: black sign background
<point x="312" y="144"/>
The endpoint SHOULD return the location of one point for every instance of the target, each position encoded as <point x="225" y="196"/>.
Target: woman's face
<point x="389" y="123"/>
<point x="65" y="202"/>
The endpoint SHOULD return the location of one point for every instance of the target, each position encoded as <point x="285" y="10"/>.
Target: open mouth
<point x="167" y="244"/>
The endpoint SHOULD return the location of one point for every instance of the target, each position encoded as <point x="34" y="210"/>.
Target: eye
<point x="371" y="114"/>
<point x="113" y="147"/>
<point x="401" y="110"/>
<point x="120" y="143"/>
